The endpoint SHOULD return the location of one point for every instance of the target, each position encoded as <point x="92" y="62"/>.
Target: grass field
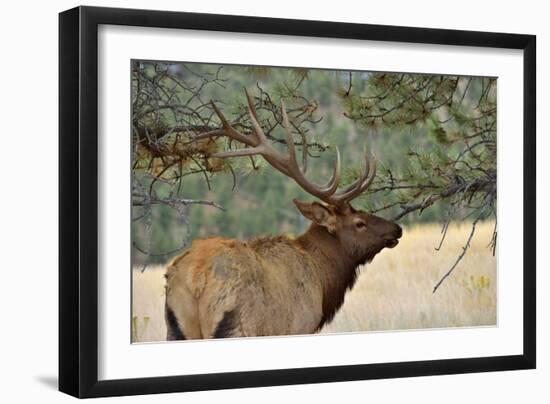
<point x="394" y="292"/>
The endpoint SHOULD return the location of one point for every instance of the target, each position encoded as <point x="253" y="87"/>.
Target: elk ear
<point x="317" y="213"/>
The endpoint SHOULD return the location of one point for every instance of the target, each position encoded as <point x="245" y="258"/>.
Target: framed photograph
<point x="251" y="201"/>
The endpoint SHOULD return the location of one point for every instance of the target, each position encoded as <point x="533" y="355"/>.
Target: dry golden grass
<point x="394" y="292"/>
<point x="148" y="305"/>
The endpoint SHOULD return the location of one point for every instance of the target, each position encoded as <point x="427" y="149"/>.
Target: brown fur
<point x="273" y="285"/>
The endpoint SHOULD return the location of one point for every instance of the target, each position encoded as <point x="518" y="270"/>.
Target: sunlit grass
<point x="393" y="292"/>
<point x="148" y="305"/>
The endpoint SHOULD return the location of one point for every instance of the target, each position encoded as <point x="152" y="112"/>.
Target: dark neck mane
<point x="338" y="272"/>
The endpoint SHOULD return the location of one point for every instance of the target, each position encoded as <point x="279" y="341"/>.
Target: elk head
<point x="361" y="234"/>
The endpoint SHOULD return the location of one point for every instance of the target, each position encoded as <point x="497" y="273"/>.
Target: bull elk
<point x="222" y="287"/>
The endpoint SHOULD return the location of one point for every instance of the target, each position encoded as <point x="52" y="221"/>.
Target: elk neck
<point x="337" y="271"/>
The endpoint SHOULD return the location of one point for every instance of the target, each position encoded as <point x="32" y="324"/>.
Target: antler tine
<point x="368" y="180"/>
<point x="334" y="181"/>
<point x="236" y="135"/>
<point x="258" y="141"/>
<point x="362" y="177"/>
<point x="330" y="187"/>
<point x="258" y="131"/>
<point x="274" y="158"/>
<point x="230" y="131"/>
<point x="359" y="185"/>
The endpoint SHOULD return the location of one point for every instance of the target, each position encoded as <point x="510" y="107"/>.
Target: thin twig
<point x="464" y="249"/>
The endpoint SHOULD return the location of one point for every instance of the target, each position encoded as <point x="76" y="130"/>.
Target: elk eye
<point x="360" y="224"/>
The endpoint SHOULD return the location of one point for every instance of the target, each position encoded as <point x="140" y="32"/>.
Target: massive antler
<point x="258" y="144"/>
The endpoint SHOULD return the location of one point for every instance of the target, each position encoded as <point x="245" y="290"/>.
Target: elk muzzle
<point x="392" y="238"/>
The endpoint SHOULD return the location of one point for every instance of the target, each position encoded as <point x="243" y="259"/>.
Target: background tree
<point x="455" y="166"/>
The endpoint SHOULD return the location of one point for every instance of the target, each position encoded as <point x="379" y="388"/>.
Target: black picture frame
<point x="78" y="201"/>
